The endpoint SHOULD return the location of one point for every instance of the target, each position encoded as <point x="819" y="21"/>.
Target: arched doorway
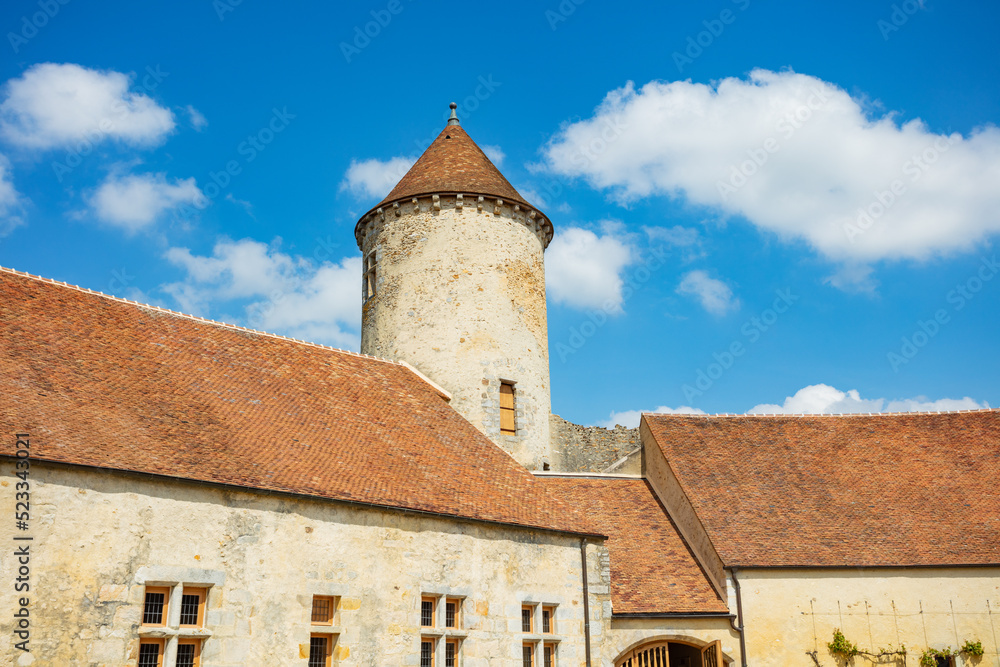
<point x="673" y="654"/>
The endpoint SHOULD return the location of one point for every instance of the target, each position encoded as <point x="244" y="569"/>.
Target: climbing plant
<point x="844" y="648"/>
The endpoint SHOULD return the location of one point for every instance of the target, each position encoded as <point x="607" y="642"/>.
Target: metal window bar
<point x="321" y="610"/>
<point x="449" y="614"/>
<point x="318" y="651"/>
<point x="185" y="655"/>
<point x="189" y="609"/>
<point x="152" y="611"/>
<point x="427" y="613"/>
<point x="426" y="654"/>
<point x="149" y="655"/>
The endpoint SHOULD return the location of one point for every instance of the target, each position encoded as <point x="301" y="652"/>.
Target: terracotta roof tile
<point x="652" y="569"/>
<point x="101" y="382"/>
<point x="454" y="164"/>
<point x="851" y="490"/>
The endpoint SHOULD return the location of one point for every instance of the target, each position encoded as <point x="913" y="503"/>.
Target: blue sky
<point x="770" y="206"/>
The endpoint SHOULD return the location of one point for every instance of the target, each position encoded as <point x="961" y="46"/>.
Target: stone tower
<point x="454" y="284"/>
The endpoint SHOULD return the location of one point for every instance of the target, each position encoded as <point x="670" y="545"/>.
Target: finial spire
<point x="453" y="119"/>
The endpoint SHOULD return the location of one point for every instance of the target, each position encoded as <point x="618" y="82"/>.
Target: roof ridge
<point x="819" y="414"/>
<point x="196" y="318"/>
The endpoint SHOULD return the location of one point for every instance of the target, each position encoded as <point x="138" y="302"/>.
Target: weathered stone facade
<point x="460" y="295"/>
<point x="100" y="537"/>
<point x="578" y="448"/>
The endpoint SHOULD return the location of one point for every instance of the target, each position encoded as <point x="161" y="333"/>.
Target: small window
<point x="193" y="607"/>
<point x="451" y="654"/>
<point x="188" y="653"/>
<point x="427" y="612"/>
<point x="151" y="653"/>
<point x="369" y="283"/>
<point x="548" y="619"/>
<point x="508" y="423"/>
<point x="320" y="650"/>
<point x="154" y="610"/>
<point x="527" y="624"/>
<point x="426" y="652"/>
<point x="322" y="610"/>
<point x="549" y="655"/>
<point x="451" y="616"/>
<point x="944" y="661"/>
<point x="528" y="656"/>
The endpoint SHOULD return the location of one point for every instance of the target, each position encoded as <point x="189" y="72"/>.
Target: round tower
<point x="454" y="284"/>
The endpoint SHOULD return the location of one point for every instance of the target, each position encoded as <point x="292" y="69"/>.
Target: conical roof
<point x="454" y="164"/>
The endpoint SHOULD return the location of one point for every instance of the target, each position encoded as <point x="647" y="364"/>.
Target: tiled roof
<point x="100" y="382"/>
<point x="454" y="164"/>
<point x="852" y="490"/>
<point x="652" y="569"/>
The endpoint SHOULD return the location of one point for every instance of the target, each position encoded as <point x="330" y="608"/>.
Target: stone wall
<point x="101" y="537"/>
<point x="578" y="448"/>
<point x="460" y="295"/>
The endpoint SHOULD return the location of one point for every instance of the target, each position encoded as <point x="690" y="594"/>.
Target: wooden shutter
<point x="711" y="655"/>
<point x="507" y="422"/>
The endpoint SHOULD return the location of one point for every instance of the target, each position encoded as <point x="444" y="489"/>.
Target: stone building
<point x="203" y="494"/>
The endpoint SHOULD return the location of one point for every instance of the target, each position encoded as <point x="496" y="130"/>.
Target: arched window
<point x="673" y="654"/>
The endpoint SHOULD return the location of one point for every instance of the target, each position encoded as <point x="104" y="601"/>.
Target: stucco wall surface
<point x="790" y="612"/>
<point x="100" y="536"/>
<point x="460" y="295"/>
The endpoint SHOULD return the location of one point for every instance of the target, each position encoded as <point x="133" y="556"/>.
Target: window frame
<point x="164" y="611"/>
<point x="530" y="608"/>
<point x="549" y="610"/>
<point x="161" y="643"/>
<point x="528" y="653"/>
<point x="550" y="654"/>
<point x="456" y="617"/>
<point x="328" y="657"/>
<point x="433" y="602"/>
<point x="331" y="601"/>
<point x="433" y="642"/>
<point x="188" y="641"/>
<point x="202" y="594"/>
<point x="456" y="660"/>
<point x="370" y="276"/>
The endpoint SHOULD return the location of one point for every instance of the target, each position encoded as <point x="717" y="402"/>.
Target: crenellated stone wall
<point x="578" y="448"/>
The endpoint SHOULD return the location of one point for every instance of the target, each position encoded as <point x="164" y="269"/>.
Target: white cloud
<point x="54" y="105"/>
<point x="823" y="156"/>
<point x="11" y="201"/>
<point x="815" y="399"/>
<point x="494" y="153"/>
<point x="583" y="270"/>
<point x="714" y="295"/>
<point x="135" y="201"/>
<point x="375" y="178"/>
<point x="197" y="118"/>
<point x="824" y="399"/>
<point x="630" y="418"/>
<point x="277" y="292"/>
<point x="242" y="203"/>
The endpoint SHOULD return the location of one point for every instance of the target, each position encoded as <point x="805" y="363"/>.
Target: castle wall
<point x="460" y="295"/>
<point x="789" y="612"/>
<point x="578" y="448"/>
<point x="100" y="536"/>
